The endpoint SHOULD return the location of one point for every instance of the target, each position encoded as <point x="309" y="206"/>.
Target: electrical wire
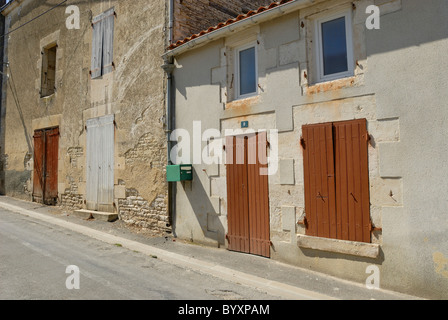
<point x="35" y="18"/>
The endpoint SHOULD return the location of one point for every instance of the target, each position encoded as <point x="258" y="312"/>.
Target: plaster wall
<point x="397" y="86"/>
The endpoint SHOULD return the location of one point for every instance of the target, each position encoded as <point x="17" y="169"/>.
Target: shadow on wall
<point x="202" y="208"/>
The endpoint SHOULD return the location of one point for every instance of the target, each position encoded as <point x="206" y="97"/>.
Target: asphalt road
<point x="34" y="256"/>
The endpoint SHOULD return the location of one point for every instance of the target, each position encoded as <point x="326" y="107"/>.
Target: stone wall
<point x="135" y="211"/>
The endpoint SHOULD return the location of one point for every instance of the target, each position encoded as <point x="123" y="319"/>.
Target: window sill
<point x="243" y="103"/>
<point x="332" y="85"/>
<point x="359" y="249"/>
<point x="47" y="97"/>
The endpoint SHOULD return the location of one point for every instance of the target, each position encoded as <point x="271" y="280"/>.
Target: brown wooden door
<point x="45" y="178"/>
<point x="247" y="195"/>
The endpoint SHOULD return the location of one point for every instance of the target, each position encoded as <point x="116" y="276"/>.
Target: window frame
<point x="237" y="78"/>
<point x="45" y="62"/>
<point x="347" y="14"/>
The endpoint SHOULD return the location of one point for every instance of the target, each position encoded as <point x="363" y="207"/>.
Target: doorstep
<point x="97" y="215"/>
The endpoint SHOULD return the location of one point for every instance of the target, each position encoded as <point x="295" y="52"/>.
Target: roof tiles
<point x="228" y="22"/>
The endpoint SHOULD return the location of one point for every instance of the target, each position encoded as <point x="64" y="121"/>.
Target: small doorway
<point x="100" y="164"/>
<point x="45" y="177"/>
<point x="248" y="194"/>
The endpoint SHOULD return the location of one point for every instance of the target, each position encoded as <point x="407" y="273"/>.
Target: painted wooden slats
<point x="108" y="41"/>
<point x="352" y="183"/>
<point x="46" y="157"/>
<point x="259" y="231"/>
<point x="100" y="164"/>
<point x="52" y="157"/>
<point x="102" y="43"/>
<point x="336" y="180"/>
<point x="247" y="195"/>
<point x="319" y="180"/>
<point x="38" y="174"/>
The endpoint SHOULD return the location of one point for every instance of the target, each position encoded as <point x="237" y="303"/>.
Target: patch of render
<point x="138" y="212"/>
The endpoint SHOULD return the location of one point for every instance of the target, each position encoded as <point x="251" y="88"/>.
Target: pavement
<point x="273" y="277"/>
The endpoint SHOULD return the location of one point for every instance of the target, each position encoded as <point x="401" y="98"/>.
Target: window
<point x="336" y="178"/>
<point x="103" y="44"/>
<point x="48" y="76"/>
<point x="246" y="71"/>
<point x="334" y="46"/>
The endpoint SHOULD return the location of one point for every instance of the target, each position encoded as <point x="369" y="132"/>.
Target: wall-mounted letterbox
<point x="182" y="172"/>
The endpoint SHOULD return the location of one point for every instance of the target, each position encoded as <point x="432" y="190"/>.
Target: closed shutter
<point x="258" y="192"/>
<point x="51" y="166"/>
<point x="108" y="41"/>
<point x="92" y="155"/>
<point x="38" y="176"/>
<point x="97" y="47"/>
<point x="319" y="180"/>
<point x="46" y="156"/>
<point x="100" y="164"/>
<point x="237" y="198"/>
<point x="352" y="183"/>
<point x="336" y="178"/>
<point x="247" y="194"/>
<point x="102" y="43"/>
<point x="106" y="133"/>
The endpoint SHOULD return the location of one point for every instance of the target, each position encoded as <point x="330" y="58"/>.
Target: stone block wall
<point x="135" y="211"/>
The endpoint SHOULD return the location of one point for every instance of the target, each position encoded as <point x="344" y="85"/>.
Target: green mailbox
<point x="182" y="172"/>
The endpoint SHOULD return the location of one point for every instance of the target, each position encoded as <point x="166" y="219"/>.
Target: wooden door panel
<point x="247" y="195"/>
<point x="259" y="231"/>
<point x="38" y="175"/>
<point x="51" y="165"/>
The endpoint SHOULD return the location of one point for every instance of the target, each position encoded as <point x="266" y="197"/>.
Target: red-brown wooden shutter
<point x="237" y="198"/>
<point x="259" y="228"/>
<point x="51" y="156"/>
<point x="336" y="178"/>
<point x="319" y="180"/>
<point x="352" y="181"/>
<point x="247" y="194"/>
<point x="38" y="176"/>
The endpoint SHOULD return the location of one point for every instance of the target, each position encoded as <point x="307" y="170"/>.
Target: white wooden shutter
<point x="97" y="47"/>
<point x="100" y="164"/>
<point x="103" y="43"/>
<point x="108" y="41"/>
<point x="106" y="164"/>
<point x="92" y="164"/>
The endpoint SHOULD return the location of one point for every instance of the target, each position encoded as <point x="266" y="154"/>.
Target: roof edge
<point x="238" y="24"/>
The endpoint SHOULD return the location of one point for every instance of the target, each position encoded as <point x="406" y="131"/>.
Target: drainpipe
<point x="168" y="67"/>
<point x="171" y="21"/>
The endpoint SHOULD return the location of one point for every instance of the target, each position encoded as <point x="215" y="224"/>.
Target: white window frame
<point x="237" y="51"/>
<point x="347" y="14"/>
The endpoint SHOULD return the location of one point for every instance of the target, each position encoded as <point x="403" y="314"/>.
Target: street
<point x="34" y="256"/>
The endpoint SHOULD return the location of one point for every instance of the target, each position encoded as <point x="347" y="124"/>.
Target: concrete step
<point x="97" y="215"/>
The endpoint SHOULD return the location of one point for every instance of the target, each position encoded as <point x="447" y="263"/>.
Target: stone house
<point x="83" y="114"/>
<point x="317" y="140"/>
